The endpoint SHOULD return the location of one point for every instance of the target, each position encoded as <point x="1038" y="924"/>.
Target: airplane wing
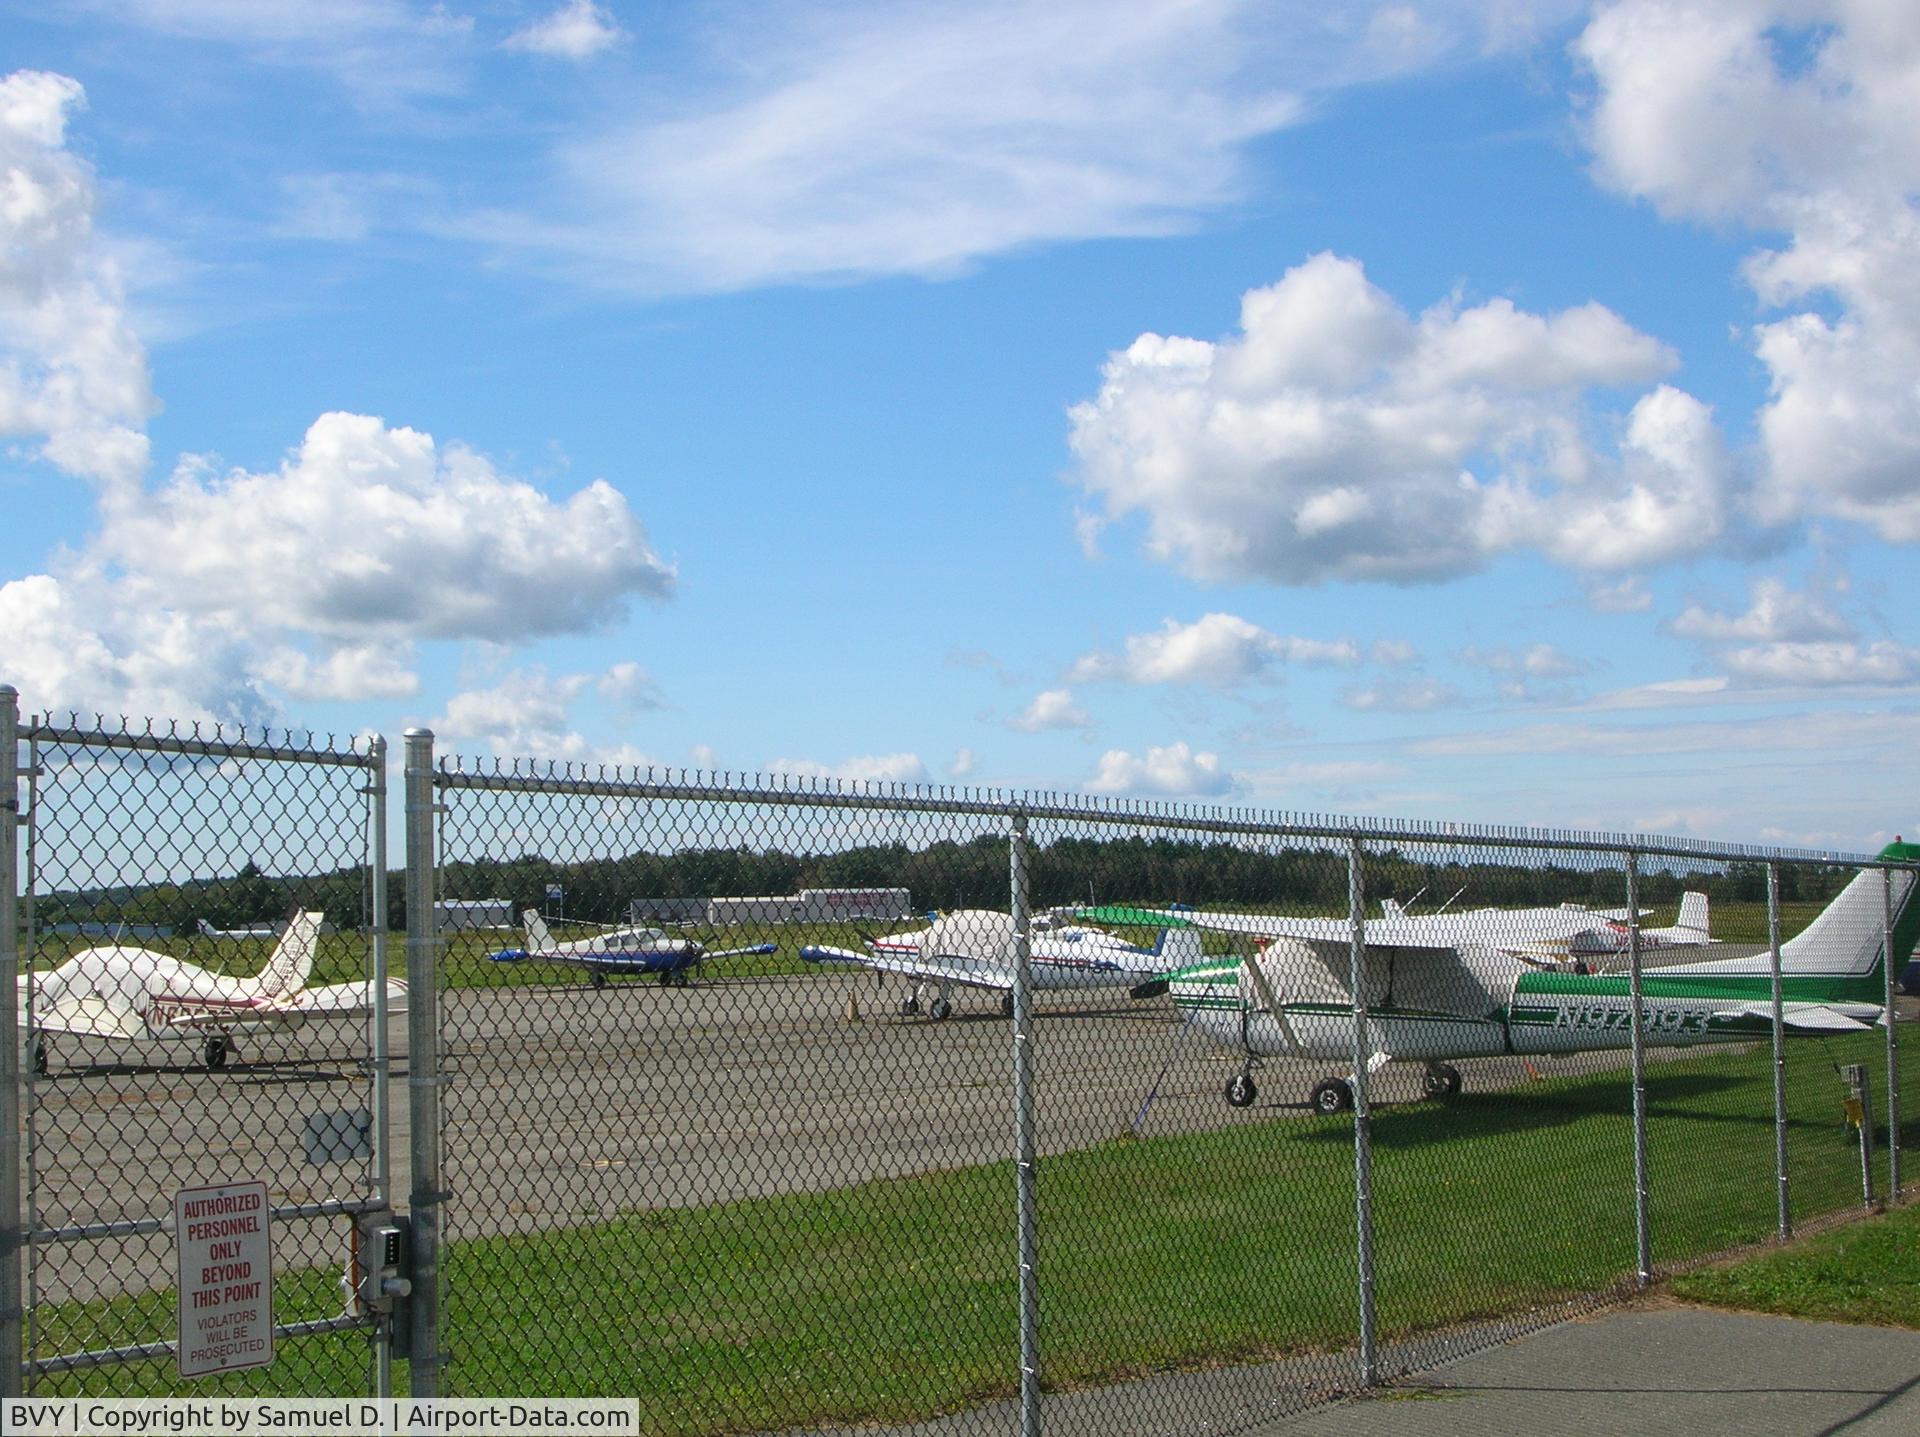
<point x="755" y="949"/>
<point x="88" y="1017"/>
<point x="1376" y="932"/>
<point x="941" y="968"/>
<point x="1803" y="1017"/>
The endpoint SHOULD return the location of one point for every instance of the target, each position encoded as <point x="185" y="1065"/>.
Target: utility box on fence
<point x="1859" y="1104"/>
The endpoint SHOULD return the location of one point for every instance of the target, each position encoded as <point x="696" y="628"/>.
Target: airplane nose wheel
<point x="1331" y="1095"/>
<point x="1241" y="1090"/>
<point x="1441" y="1081"/>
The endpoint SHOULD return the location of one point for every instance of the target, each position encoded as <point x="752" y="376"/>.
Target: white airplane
<point x="257" y="930"/>
<point x="1433" y="996"/>
<point x="127" y="993"/>
<point x="973" y="948"/>
<point x="620" y="952"/>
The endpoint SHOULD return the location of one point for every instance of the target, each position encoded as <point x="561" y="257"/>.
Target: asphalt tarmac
<point x="564" y="1104"/>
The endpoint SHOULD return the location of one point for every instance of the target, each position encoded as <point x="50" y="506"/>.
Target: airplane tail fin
<point x="539" y="939"/>
<point x="207" y="930"/>
<point x="292" y="961"/>
<point x="1849" y="934"/>
<point x="1693" y="912"/>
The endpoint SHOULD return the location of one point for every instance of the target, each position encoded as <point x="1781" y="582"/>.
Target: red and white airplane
<point x="135" y="994"/>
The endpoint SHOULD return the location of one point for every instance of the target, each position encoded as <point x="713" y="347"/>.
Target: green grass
<point x="895" y="1299"/>
<point x="1865" y="1272"/>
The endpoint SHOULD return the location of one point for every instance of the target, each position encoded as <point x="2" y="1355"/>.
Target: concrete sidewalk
<point x="1660" y="1372"/>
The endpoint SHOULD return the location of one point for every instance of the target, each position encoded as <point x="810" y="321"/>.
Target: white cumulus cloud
<point x="1216" y="649"/>
<point x="1054" y="709"/>
<point x="72" y="371"/>
<point x="1798" y="118"/>
<point x="1172" y="771"/>
<point x="530" y="714"/>
<point x="1336" y="436"/>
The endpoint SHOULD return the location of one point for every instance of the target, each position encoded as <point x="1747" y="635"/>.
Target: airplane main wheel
<point x="40" y="1063"/>
<point x="909" y="1006"/>
<point x="1241" y="1090"/>
<point x="940" y="1011"/>
<point x="1442" y="1081"/>
<point x="598" y="980"/>
<point x="216" y="1054"/>
<point x="1006" y="1005"/>
<point x="1331" y="1095"/>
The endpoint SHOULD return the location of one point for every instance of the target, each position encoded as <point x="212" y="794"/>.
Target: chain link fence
<point x="804" y="1107"/>
<point x="200" y="931"/>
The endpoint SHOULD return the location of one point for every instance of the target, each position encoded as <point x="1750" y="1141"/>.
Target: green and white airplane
<point x="1435" y="995"/>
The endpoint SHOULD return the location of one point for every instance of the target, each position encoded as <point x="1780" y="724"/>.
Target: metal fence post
<point x="1022" y="911"/>
<point x="12" y="1232"/>
<point x="377" y="1033"/>
<point x="423" y="1067"/>
<point x="1779" y="1051"/>
<point x="1362" y="1120"/>
<point x="1893" y="1042"/>
<point x="1642" y="1224"/>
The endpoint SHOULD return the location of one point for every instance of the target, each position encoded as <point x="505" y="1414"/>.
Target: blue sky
<point x="1481" y="411"/>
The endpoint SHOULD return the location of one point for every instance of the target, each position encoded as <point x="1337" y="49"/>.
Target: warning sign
<point x="226" y="1278"/>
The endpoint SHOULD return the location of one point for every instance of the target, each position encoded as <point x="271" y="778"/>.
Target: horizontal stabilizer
<point x="1808" y="1018"/>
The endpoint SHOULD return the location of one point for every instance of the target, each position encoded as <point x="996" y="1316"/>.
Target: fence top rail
<point x="526" y="776"/>
<point x="214" y="740"/>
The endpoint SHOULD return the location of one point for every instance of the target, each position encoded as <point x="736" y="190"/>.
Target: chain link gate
<point x="204" y="918"/>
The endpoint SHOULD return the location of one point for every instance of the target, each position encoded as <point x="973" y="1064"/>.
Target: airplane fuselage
<point x="1535" y="1012"/>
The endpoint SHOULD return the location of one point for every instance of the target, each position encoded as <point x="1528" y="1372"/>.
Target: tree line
<point x="972" y="873"/>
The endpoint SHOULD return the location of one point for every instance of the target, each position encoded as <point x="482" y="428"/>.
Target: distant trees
<point x="970" y="872"/>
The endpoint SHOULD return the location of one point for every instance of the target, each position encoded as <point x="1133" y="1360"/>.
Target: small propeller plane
<point x="973" y="948"/>
<point x="1434" y="996"/>
<point x="620" y="952"/>
<point x="121" y="992"/>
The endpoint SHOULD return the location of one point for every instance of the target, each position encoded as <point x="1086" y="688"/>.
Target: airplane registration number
<point x="1606" y="1018"/>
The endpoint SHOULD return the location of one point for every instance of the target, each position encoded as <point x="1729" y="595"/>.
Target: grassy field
<point x="895" y="1299"/>
<point x="1866" y="1272"/>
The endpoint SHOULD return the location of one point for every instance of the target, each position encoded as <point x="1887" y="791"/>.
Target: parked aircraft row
<point x="1440" y="986"/>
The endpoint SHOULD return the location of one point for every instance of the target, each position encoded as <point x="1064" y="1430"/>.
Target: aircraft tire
<point x="1241" y="1090"/>
<point x="1441" y="1082"/>
<point x="40" y="1059"/>
<point x="909" y="1006"/>
<point x="598" y="980"/>
<point x="940" y="1010"/>
<point x="216" y="1054"/>
<point x="1331" y="1095"/>
<point x="1006" y="1005"/>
